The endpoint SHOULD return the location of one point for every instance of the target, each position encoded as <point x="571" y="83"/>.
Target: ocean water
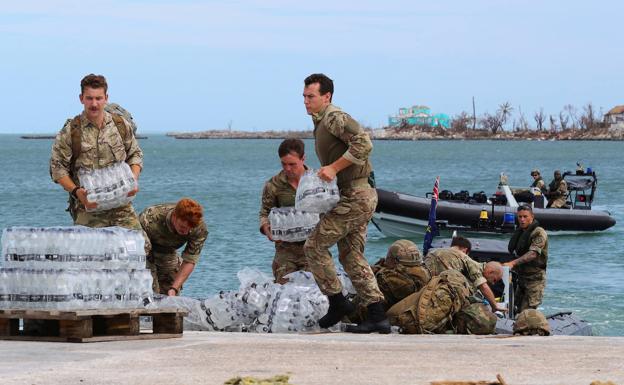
<point x="585" y="271"/>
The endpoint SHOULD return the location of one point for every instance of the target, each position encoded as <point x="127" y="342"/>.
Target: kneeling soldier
<point x="169" y="226"/>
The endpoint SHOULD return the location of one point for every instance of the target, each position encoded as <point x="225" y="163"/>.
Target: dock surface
<point x="317" y="359"/>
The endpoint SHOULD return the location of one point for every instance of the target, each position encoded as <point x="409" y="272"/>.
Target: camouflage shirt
<point x="440" y="260"/>
<point x="156" y="221"/>
<point x="277" y="192"/>
<point x="99" y="148"/>
<point x="337" y="134"/>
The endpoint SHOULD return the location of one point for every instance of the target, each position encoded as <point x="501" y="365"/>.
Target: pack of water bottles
<point x="109" y="186"/>
<point x="314" y="195"/>
<point x="291" y="225"/>
<point x="260" y="305"/>
<point x="71" y="268"/>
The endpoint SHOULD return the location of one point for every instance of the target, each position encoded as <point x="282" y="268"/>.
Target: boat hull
<point x="400" y="215"/>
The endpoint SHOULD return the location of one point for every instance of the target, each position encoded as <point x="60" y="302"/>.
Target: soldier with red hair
<point x="170" y="226"/>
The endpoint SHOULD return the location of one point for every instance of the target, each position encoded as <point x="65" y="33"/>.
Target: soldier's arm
<point x="194" y="245"/>
<point x="538" y="242"/>
<point x="489" y="295"/>
<point x="181" y="276"/>
<point x="61" y="156"/>
<point x="134" y="154"/>
<point x="190" y="257"/>
<point x="60" y="165"/>
<point x="268" y="201"/>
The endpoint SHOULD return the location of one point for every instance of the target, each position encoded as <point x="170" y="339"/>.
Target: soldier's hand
<point x="327" y="173"/>
<point x="496" y="308"/>
<point x="135" y="191"/>
<point x="509" y="264"/>
<point x="81" y="193"/>
<point x="266" y="230"/>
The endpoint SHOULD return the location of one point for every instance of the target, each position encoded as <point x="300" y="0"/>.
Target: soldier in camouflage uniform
<point x="557" y="191"/>
<point x="95" y="139"/>
<point x="170" y="226"/>
<point x="402" y="272"/>
<point x="456" y="258"/>
<point x="530" y="243"/>
<point x="343" y="148"/>
<point x="538" y="182"/>
<point x="279" y="191"/>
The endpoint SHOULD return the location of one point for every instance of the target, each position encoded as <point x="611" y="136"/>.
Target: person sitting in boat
<point x="456" y="258"/>
<point x="538" y="181"/>
<point x="557" y="192"/>
<point x="402" y="272"/>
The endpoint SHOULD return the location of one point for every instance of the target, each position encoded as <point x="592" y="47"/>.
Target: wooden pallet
<point x="89" y="325"/>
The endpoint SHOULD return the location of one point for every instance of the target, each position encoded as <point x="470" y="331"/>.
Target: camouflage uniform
<point x="289" y="256"/>
<point x="163" y="259"/>
<point x="408" y="276"/>
<point x="532" y="275"/>
<point x="440" y="260"/>
<point x="337" y="135"/>
<point x="99" y="148"/>
<point x="558" y="193"/>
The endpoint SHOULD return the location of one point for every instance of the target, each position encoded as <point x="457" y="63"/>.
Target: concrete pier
<point x="317" y="359"/>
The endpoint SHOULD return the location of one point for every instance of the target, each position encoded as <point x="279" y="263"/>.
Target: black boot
<point x="339" y="306"/>
<point x="375" y="322"/>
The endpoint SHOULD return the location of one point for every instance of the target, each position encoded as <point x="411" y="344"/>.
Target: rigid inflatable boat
<point x="404" y="215"/>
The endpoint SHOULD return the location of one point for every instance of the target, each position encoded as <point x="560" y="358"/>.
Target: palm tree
<point x="504" y="112"/>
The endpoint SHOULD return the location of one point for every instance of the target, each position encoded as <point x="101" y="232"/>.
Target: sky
<point x="202" y="65"/>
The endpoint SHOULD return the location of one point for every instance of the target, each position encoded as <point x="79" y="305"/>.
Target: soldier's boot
<point x="375" y="322"/>
<point x="339" y="306"/>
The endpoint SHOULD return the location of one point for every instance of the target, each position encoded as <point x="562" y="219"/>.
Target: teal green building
<point x="419" y="116"/>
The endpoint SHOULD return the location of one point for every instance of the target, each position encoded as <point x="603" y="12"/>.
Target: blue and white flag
<point x="432" y="229"/>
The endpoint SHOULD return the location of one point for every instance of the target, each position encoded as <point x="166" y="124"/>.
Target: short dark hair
<point x="291" y="145"/>
<point x="93" y="81"/>
<point x="461" y="242"/>
<point x="325" y="83"/>
<point x="524" y="207"/>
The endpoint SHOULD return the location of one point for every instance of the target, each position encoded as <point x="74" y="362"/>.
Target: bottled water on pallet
<point x="109" y="186"/>
<point x="291" y="225"/>
<point x="70" y="268"/>
<point x="314" y="195"/>
<point x="72" y="247"/>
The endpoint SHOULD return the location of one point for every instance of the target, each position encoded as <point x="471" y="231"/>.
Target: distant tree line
<point x="569" y="118"/>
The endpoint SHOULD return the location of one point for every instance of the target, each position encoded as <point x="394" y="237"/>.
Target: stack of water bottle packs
<point x="73" y="268"/>
<point x="109" y="186"/>
<point x="260" y="305"/>
<point x="291" y="225"/>
<point x="314" y="195"/>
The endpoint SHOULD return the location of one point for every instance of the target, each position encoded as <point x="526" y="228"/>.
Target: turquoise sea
<point x="585" y="271"/>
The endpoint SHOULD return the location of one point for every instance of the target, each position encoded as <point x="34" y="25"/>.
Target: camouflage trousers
<point x="164" y="267"/>
<point x="558" y="202"/>
<point x="530" y="291"/>
<point x="123" y="216"/>
<point x="346" y="225"/>
<point x="289" y="257"/>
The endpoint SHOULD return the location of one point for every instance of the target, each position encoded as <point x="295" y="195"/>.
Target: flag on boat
<point x="432" y="229"/>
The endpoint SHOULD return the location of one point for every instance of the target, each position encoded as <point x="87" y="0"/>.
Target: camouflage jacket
<point x="337" y="134"/>
<point x="156" y="221"/>
<point x="99" y="148"/>
<point x="440" y="260"/>
<point x="399" y="282"/>
<point x="277" y="192"/>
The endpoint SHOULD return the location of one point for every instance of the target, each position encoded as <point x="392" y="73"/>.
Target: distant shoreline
<point x="415" y="133"/>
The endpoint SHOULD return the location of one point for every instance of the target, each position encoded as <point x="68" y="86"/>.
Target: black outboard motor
<point x="446" y="195"/>
<point x="462" y="196"/>
<point x="479" y="197"/>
